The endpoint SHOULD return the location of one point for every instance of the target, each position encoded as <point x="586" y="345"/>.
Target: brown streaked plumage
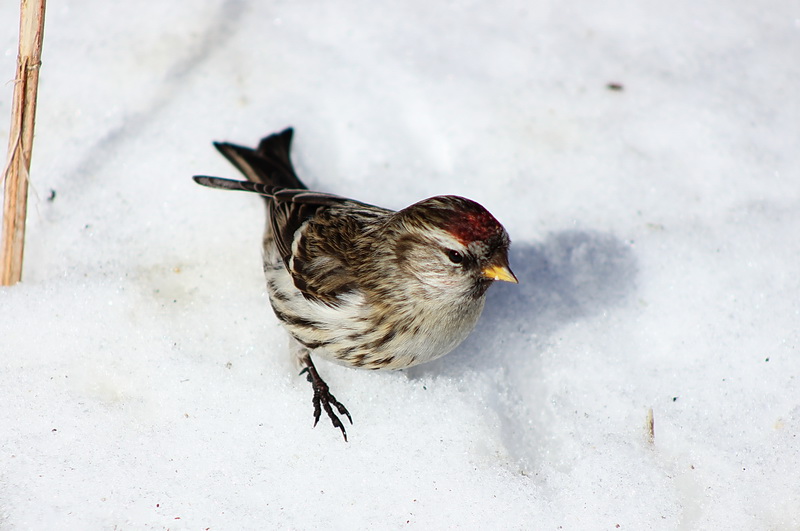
<point x="362" y="285"/>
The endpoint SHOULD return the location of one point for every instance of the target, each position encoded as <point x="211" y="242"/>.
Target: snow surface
<point x="146" y="384"/>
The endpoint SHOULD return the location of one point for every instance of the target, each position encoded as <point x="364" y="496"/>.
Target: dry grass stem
<point x="20" y="142"/>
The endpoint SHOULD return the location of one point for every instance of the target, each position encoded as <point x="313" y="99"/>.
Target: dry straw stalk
<point x="20" y="142"/>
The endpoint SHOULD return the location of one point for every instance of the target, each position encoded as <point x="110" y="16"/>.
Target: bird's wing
<point x="321" y="262"/>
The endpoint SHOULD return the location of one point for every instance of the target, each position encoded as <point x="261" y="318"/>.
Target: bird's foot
<point x="323" y="399"/>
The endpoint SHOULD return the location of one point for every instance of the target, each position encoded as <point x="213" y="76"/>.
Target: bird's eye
<point x="455" y="256"/>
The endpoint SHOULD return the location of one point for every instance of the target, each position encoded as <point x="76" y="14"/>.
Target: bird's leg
<point x="323" y="396"/>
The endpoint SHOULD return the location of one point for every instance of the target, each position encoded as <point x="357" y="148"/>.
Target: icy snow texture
<point x="147" y="385"/>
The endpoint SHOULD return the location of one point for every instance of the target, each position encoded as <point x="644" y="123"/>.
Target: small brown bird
<point x="362" y="285"/>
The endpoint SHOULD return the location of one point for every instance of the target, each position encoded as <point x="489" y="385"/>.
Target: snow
<point x="146" y="384"/>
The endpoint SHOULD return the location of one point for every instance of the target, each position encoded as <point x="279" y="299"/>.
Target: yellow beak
<point x="500" y="272"/>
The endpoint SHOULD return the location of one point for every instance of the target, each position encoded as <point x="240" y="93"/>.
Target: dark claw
<point x="323" y="399"/>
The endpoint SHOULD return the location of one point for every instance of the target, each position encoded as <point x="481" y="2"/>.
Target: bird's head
<point x="453" y="245"/>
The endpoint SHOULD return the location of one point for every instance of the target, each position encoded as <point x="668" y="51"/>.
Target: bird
<point x="361" y="285"/>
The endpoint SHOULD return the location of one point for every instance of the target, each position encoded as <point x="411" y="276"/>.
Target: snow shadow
<point x="568" y="276"/>
<point x="571" y="274"/>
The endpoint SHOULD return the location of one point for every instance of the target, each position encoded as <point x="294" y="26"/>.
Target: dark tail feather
<point x="230" y="184"/>
<point x="269" y="164"/>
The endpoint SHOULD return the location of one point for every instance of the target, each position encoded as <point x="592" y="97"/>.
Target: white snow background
<point x="147" y="385"/>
